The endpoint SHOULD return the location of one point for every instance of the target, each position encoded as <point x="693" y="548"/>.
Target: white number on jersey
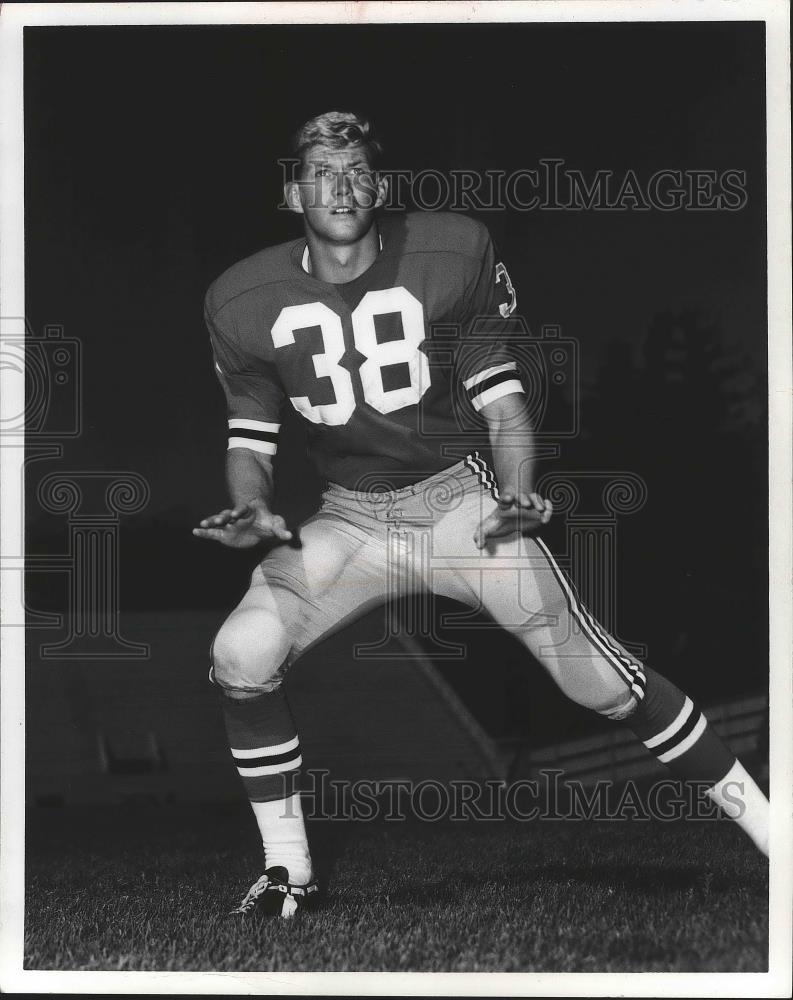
<point x="404" y="351"/>
<point x="326" y="365"/>
<point x="392" y="352"/>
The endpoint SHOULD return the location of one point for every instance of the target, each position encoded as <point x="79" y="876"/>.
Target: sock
<point x="677" y="733"/>
<point x="284" y="836"/>
<point x="266" y="751"/>
<point x="742" y="801"/>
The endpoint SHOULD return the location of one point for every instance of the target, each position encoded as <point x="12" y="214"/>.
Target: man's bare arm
<point x="249" y="475"/>
<point x="520" y="508"/>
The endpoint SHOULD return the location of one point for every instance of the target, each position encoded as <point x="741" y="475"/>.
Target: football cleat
<point x="273" y="895"/>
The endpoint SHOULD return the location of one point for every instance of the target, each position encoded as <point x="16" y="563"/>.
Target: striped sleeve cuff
<point x="493" y="383"/>
<point x="256" y="435"/>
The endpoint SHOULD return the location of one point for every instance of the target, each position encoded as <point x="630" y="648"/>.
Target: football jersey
<point x="387" y="369"/>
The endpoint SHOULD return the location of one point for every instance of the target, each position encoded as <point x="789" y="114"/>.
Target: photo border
<point x="777" y="982"/>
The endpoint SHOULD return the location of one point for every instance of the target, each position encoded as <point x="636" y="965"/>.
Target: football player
<point x="362" y="326"/>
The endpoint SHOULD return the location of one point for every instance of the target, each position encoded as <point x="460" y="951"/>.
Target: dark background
<point x="150" y="157"/>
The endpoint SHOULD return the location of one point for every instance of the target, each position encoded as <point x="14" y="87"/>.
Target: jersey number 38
<point x="405" y="351"/>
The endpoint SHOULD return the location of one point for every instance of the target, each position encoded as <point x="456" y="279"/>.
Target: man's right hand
<point x="243" y="527"/>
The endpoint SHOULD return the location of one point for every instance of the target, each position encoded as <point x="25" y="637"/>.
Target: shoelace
<point x="258" y="887"/>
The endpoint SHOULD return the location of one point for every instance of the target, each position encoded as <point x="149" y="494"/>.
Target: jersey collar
<point x="305" y="261"/>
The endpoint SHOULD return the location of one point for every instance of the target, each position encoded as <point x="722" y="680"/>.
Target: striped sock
<point x="673" y="729"/>
<point x="266" y="751"/>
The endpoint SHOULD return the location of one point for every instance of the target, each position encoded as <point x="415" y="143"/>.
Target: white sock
<point x="284" y="837"/>
<point x="742" y="800"/>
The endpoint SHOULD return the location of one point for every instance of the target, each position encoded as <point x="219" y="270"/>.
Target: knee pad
<point x="623" y="710"/>
<point x="241" y="692"/>
<point x="235" y="685"/>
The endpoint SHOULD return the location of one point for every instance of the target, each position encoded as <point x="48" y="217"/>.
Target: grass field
<point x="148" y="888"/>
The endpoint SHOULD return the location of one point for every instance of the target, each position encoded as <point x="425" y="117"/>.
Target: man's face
<point x="337" y="193"/>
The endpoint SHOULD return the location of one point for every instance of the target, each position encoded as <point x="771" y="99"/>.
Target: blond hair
<point x="336" y="130"/>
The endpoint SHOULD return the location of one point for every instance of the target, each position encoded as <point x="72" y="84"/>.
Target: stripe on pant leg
<point x="469" y="461"/>
<point x="631" y="672"/>
<point x="488" y="474"/>
<point x="606" y="638"/>
<point x="484" y="473"/>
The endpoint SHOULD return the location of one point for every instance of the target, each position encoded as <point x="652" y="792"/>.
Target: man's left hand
<point x="523" y="512"/>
